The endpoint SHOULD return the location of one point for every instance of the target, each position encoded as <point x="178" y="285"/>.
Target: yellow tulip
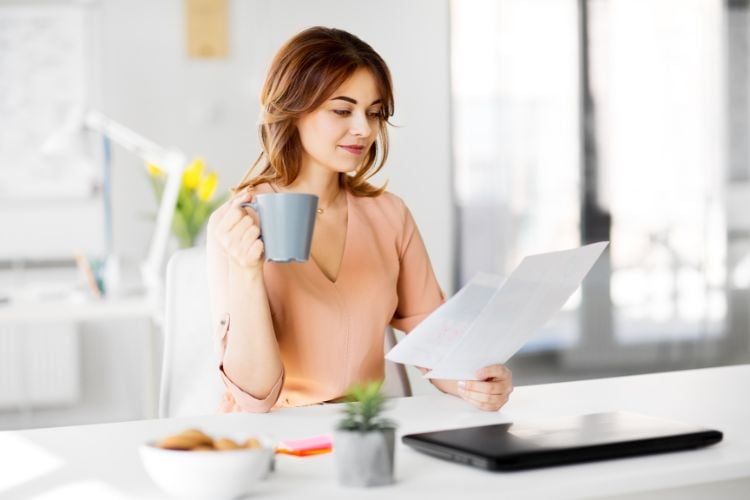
<point x="192" y="176"/>
<point x="154" y="171"/>
<point x="207" y="187"/>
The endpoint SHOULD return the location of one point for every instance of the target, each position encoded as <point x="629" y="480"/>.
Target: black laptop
<point x="557" y="441"/>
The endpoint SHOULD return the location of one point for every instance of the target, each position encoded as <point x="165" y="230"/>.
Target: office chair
<point x="190" y="383"/>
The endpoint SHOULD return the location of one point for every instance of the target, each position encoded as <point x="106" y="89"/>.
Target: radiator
<point x="39" y="365"/>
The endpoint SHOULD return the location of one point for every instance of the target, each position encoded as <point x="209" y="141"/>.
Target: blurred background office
<point x="523" y="126"/>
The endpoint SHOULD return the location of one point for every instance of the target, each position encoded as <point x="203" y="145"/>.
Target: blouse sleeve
<point x="235" y="398"/>
<point x="418" y="291"/>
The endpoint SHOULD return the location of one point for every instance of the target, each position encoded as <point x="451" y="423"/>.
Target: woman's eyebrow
<point x="353" y="101"/>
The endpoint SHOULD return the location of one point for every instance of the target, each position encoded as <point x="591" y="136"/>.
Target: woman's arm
<point x="419" y="295"/>
<point x="251" y="359"/>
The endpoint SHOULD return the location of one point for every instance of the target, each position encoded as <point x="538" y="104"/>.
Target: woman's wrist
<point x="246" y="273"/>
<point x="446" y="386"/>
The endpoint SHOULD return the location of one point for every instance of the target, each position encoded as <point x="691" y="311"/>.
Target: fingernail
<point x="462" y="385"/>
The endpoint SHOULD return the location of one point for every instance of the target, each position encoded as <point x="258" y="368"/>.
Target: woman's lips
<point x="355" y="150"/>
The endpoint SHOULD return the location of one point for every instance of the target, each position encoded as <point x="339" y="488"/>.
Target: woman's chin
<point x="346" y="169"/>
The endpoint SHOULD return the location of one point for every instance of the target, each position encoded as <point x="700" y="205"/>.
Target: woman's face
<point x="337" y="136"/>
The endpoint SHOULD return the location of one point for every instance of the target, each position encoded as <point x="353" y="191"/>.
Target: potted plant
<point x="364" y="441"/>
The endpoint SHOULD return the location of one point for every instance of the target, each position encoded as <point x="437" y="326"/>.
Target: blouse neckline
<point x="347" y="245"/>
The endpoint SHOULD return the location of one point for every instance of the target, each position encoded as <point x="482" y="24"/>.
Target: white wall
<point x="210" y="108"/>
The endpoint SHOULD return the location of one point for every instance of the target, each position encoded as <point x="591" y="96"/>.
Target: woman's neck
<point x="327" y="187"/>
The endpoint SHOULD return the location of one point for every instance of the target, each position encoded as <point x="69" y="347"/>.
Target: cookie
<point x="226" y="444"/>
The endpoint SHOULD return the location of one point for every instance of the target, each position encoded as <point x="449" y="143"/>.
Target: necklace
<point x="320" y="210"/>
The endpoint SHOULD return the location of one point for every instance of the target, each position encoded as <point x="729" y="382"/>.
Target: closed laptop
<point x="562" y="440"/>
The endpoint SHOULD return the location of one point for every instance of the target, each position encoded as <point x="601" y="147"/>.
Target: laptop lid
<point x="563" y="440"/>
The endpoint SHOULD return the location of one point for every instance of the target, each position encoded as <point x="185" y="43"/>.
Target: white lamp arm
<point x="173" y="162"/>
<point x="153" y="268"/>
<point x="125" y="137"/>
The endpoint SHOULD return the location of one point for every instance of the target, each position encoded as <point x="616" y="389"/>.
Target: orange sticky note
<point x="316" y="445"/>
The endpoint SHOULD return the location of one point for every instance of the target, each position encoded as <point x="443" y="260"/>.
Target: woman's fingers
<point x="236" y="218"/>
<point x="250" y="233"/>
<point x="233" y="212"/>
<point x="490" y="406"/>
<point x="239" y="236"/>
<point x="491" y="391"/>
<point x="256" y="251"/>
<point x="490" y="387"/>
<point x="484" y="401"/>
<point x="231" y="218"/>
<point x="483" y="397"/>
<point x="496" y="372"/>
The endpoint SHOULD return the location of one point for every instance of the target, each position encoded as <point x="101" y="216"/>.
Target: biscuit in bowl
<point x="192" y="464"/>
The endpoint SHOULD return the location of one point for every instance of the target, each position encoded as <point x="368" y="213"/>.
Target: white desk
<point x="55" y="294"/>
<point x="19" y="312"/>
<point x="66" y="310"/>
<point x="102" y="460"/>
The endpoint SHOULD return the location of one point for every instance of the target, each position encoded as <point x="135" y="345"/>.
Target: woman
<point x="302" y="333"/>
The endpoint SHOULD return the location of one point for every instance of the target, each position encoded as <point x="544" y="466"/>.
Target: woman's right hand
<point x="237" y="233"/>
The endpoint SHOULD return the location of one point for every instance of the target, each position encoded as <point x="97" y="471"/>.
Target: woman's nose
<point x="360" y="125"/>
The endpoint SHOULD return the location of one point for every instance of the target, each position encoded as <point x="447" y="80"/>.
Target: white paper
<point x="490" y="319"/>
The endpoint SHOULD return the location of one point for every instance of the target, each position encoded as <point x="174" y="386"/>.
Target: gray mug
<point x="287" y="221"/>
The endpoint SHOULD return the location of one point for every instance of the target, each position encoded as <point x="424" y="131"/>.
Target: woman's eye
<point x="374" y="115"/>
<point x="342" y="112"/>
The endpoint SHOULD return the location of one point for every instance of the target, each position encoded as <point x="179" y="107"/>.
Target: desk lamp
<point x="172" y="162"/>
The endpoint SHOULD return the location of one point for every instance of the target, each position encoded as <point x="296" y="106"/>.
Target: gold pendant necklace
<point x="321" y="210"/>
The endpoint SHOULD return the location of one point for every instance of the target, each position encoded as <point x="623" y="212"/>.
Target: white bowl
<point x="206" y="474"/>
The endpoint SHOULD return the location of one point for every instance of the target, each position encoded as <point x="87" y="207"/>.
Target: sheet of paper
<point x="439" y="332"/>
<point x="488" y="321"/>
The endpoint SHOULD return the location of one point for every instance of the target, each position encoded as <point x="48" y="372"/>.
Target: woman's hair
<point x="303" y="74"/>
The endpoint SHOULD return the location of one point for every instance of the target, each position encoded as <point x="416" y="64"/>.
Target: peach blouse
<point x="331" y="333"/>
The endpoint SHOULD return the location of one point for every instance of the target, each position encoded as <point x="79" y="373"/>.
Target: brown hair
<point x="303" y="74"/>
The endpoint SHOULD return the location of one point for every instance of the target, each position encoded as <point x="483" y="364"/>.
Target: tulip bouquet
<point x="195" y="201"/>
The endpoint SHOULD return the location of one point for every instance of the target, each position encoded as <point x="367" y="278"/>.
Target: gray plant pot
<point x="364" y="458"/>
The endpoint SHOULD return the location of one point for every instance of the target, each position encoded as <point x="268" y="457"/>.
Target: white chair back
<point x="190" y="383"/>
<point x="396" y="383"/>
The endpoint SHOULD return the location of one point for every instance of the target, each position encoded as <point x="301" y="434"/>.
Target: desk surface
<point x="52" y="295"/>
<point x="54" y="310"/>
<point x="102" y="460"/>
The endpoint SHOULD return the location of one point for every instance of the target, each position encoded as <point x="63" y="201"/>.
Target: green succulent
<point x="364" y="405"/>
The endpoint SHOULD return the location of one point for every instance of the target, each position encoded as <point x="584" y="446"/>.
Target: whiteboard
<point x="44" y="90"/>
<point x="50" y="171"/>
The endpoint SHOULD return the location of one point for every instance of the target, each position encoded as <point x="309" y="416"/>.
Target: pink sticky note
<point x="307" y="444"/>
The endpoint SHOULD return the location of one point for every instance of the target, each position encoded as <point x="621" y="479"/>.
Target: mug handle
<point x="254" y="206"/>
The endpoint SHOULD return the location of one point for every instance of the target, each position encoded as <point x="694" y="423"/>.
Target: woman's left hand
<point x="491" y="391"/>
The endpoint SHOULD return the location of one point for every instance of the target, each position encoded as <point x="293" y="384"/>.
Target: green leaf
<point x="363" y="409"/>
<point x="180" y="230"/>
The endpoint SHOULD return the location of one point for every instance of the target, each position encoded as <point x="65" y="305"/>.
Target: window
<point x="655" y="74"/>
